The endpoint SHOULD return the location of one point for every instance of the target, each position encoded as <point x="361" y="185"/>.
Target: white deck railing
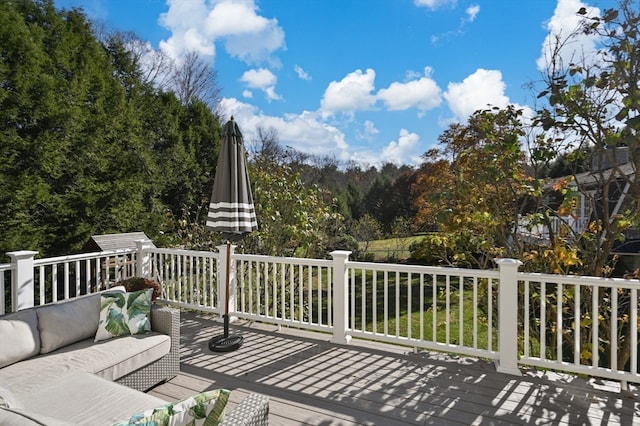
<point x="516" y="319"/>
<point x="557" y="224"/>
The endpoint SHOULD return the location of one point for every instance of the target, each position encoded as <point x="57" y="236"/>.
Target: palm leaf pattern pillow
<point x="139" y="310"/>
<point x="122" y="314"/>
<point x="203" y="409"/>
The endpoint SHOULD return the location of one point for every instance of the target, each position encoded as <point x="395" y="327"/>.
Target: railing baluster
<point x="397" y="303"/>
<point x="363" y="298"/>
<point x="526" y="302"/>
<point x="386" y="303"/>
<point x="475" y="312"/>
<point x="421" y="337"/>
<point x="434" y="307"/>
<point x="577" y="319"/>
<point x="595" y="355"/>
<point x="320" y="286"/>
<point x="374" y="302"/>
<point x="409" y="313"/>
<point x="461" y="311"/>
<point x="559" y="327"/>
<point x="543" y="320"/>
<point x="633" y="307"/>
<point x="490" y="316"/>
<point x="447" y="322"/>
<point x="613" y="339"/>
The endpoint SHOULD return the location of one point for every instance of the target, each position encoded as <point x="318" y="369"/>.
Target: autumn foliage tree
<point x="592" y="112"/>
<point x="473" y="187"/>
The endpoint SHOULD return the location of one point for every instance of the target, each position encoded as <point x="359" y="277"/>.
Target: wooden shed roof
<point x="114" y="241"/>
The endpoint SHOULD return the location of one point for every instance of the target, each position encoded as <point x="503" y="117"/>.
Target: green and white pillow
<point x="203" y="409"/>
<point x="123" y="314"/>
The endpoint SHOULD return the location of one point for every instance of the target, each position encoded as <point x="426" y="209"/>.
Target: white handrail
<point x="517" y="319"/>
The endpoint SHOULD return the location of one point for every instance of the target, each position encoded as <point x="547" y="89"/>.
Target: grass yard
<point x="391" y="248"/>
<point x="464" y="318"/>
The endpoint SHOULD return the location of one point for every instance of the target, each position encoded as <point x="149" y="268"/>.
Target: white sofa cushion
<point x="20" y="337"/>
<point x="8" y="399"/>
<point x="111" y="359"/>
<point x="102" y="403"/>
<point x="68" y="322"/>
<point x="25" y="417"/>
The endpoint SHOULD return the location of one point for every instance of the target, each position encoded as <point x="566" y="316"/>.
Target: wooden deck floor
<point x="312" y="381"/>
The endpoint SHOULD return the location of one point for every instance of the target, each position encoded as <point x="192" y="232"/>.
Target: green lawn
<point x="457" y="318"/>
<point x="397" y="248"/>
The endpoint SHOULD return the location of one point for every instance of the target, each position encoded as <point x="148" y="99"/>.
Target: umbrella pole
<point x="226" y="342"/>
<point x="226" y="290"/>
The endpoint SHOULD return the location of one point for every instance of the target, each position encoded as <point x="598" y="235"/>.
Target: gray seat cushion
<point x="20" y="337"/>
<point x="111" y="359"/>
<point x="24" y="417"/>
<point x="68" y="322"/>
<point x="102" y="402"/>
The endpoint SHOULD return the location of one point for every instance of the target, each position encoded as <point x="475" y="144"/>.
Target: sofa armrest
<point x="252" y="411"/>
<point x="164" y="320"/>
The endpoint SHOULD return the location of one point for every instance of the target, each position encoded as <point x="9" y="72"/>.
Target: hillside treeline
<point x="87" y="145"/>
<point x="92" y="142"/>
<point x="99" y="134"/>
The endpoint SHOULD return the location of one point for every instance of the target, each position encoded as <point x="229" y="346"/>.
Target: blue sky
<point x="371" y="81"/>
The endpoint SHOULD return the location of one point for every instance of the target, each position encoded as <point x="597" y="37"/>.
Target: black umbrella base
<point x="225" y="343"/>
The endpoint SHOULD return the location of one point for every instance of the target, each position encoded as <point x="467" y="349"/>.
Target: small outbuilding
<point x="109" y="242"/>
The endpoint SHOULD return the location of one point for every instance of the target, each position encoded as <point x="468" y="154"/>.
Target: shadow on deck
<point x="312" y="381"/>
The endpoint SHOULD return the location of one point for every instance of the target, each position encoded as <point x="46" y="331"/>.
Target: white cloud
<point x="352" y="93"/>
<point x="271" y="94"/>
<point x="231" y="18"/>
<point x="370" y="128"/>
<point x="368" y="131"/>
<point x="302" y="74"/>
<point x="477" y="91"/>
<point x="565" y="20"/>
<point x="405" y="147"/>
<point x="422" y="93"/>
<point x="434" y="4"/>
<point x="472" y="12"/>
<point x="185" y="30"/>
<point x="247" y="94"/>
<point x="309" y="133"/>
<point x="240" y="110"/>
<point x="305" y="132"/>
<point x="259" y="78"/>
<point x="196" y="25"/>
<point x="262" y="79"/>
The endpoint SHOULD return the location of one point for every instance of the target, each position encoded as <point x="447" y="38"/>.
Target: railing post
<point x="143" y="265"/>
<point x="507" y="361"/>
<point x="222" y="277"/>
<point x="340" y="297"/>
<point x="22" y="283"/>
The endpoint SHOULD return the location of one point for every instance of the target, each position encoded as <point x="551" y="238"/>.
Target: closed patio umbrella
<point x="231" y="212"/>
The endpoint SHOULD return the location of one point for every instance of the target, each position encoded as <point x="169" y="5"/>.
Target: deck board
<point x="311" y="381"/>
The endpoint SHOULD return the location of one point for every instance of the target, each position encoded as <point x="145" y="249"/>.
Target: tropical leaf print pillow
<point x="203" y="409"/>
<point x="139" y="311"/>
<point x="122" y="314"/>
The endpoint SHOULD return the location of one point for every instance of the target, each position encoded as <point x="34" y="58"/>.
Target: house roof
<point x="629" y="247"/>
<point x="594" y="178"/>
<point x="114" y="241"/>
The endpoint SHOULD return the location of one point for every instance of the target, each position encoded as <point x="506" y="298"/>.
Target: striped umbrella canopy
<point x="231" y="209"/>
<point x="231" y="212"/>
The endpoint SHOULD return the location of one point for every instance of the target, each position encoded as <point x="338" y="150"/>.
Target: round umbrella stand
<point x="225" y="343"/>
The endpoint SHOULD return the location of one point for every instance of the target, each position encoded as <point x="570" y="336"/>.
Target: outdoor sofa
<point x="54" y="372"/>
